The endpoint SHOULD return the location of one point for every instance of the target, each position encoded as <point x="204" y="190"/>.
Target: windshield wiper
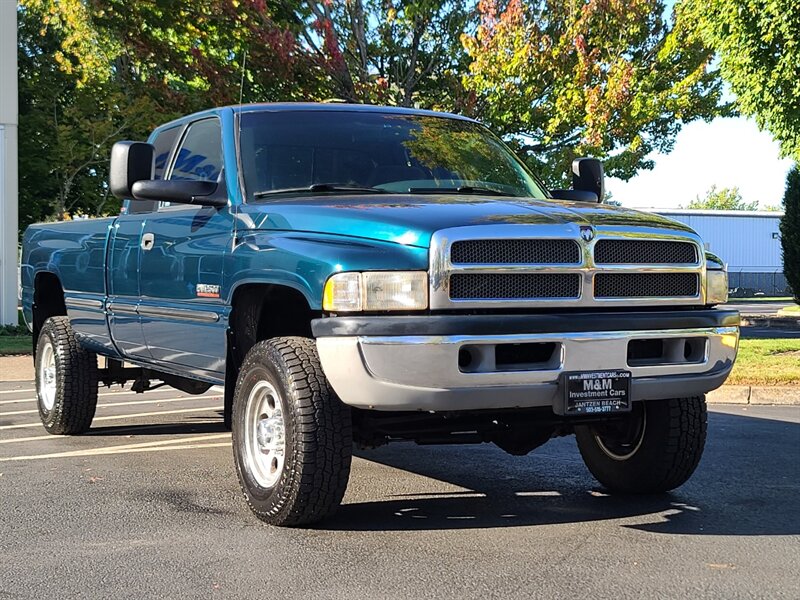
<point x="464" y="189"/>
<point x="323" y="188"/>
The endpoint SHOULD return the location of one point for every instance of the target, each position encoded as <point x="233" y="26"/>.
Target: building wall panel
<point x="748" y="242"/>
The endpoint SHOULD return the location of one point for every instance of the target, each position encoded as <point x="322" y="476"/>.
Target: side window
<point x="200" y="154"/>
<point x="163" y="143"/>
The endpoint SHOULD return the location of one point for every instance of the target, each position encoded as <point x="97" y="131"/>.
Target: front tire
<point x="66" y="379"/>
<point x="292" y="437"/>
<point x="655" y="449"/>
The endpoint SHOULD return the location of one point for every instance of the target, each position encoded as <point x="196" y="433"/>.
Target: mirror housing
<point x="181" y="191"/>
<point x="131" y="162"/>
<point x="587" y="176"/>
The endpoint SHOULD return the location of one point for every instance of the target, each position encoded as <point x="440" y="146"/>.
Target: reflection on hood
<point x="411" y="219"/>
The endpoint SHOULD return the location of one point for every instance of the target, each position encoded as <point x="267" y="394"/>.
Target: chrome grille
<point x="644" y="252"/>
<point x="516" y="251"/>
<point x="518" y="286"/>
<point x="550" y="265"/>
<point x="646" y="285"/>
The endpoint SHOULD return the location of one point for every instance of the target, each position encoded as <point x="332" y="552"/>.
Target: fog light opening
<point x="666" y="351"/>
<point x="465" y="359"/>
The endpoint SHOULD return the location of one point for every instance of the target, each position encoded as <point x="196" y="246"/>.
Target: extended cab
<point x="368" y="274"/>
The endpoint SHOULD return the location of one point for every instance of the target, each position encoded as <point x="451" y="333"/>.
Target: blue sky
<point x="728" y="152"/>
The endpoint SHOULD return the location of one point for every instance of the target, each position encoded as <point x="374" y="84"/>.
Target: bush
<point x="790" y="231"/>
<point x="13" y="330"/>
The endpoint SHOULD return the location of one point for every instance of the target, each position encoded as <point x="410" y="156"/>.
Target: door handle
<point x="148" y="241"/>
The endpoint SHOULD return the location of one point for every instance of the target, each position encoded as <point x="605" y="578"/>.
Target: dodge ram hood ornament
<point x="587" y="233"/>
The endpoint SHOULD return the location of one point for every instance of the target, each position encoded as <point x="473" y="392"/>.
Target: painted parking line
<point x="115" y="404"/>
<point x="18" y="391"/>
<point x="216" y="388"/>
<point x="116" y="432"/>
<point x="115" y="394"/>
<point x="100" y="395"/>
<point x="117" y="417"/>
<point x="124" y="448"/>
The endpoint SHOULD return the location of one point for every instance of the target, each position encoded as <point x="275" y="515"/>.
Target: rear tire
<point x="292" y="437"/>
<point x="655" y="449"/>
<point x="66" y="379"/>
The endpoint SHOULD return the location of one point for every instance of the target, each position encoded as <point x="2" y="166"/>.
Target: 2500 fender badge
<point x="207" y="290"/>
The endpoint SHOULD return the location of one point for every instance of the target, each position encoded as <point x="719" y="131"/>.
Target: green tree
<point x="790" y="231"/>
<point x="191" y="52"/>
<point x="83" y="132"/>
<point x="184" y="54"/>
<point x="43" y="88"/>
<point x="403" y="52"/>
<point x="758" y="44"/>
<point x="604" y="78"/>
<point x="722" y="199"/>
<point x="66" y="130"/>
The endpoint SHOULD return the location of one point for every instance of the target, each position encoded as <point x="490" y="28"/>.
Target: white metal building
<point x="748" y="241"/>
<point x="8" y="162"/>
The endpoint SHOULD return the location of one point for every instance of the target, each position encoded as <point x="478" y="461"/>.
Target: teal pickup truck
<point x="368" y="274"/>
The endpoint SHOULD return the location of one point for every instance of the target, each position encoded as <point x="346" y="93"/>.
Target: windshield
<point x="290" y="151"/>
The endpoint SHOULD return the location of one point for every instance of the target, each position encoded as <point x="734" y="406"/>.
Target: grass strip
<point x="15" y="344"/>
<point x="767" y="362"/>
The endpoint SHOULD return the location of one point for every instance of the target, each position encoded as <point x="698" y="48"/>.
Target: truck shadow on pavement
<point x="748" y="483"/>
<point x="189" y="427"/>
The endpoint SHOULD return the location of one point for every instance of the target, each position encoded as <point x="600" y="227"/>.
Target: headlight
<point x="375" y="291"/>
<point x="716" y="287"/>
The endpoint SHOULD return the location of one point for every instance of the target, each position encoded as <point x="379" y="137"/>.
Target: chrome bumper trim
<point x="422" y="373"/>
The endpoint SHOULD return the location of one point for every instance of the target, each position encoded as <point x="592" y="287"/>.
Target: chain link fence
<point x="746" y="284"/>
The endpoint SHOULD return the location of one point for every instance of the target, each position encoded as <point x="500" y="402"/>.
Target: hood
<point x="412" y="219"/>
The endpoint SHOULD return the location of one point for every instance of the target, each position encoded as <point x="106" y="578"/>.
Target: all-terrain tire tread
<point x="323" y="438"/>
<point x="76" y="380"/>
<point x="688" y="423"/>
<point x="678" y="428"/>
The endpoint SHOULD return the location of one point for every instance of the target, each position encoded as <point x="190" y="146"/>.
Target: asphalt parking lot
<point x="147" y="505"/>
<point x="765" y="333"/>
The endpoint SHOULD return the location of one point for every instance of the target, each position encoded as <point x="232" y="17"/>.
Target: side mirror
<point x="181" y="191"/>
<point x="130" y="162"/>
<point x="588" y="182"/>
<point x="587" y="176"/>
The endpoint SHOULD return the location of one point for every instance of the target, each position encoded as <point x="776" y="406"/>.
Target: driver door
<point x="182" y="313"/>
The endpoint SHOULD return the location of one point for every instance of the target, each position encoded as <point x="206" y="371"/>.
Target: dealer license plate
<point x="597" y="392"/>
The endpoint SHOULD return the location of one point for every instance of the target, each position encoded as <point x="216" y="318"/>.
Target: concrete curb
<point x="784" y="395"/>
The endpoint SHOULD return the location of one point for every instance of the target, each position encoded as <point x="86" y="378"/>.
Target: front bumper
<point x="412" y="363"/>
